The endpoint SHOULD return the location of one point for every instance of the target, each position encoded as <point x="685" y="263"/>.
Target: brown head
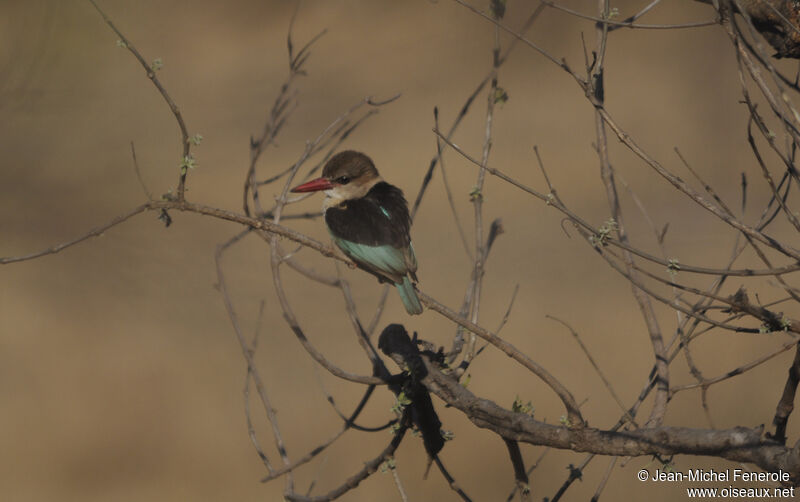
<point x="347" y="175"/>
<point x="349" y="166"/>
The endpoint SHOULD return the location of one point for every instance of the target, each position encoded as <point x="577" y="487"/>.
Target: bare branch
<point x="570" y="404"/>
<point x="739" y="444"/>
<point x="150" y="70"/>
<point x="353" y="481"/>
<point x="597" y="369"/>
<point x="629" y="24"/>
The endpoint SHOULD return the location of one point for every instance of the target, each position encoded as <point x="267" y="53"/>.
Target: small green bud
<point x="500" y="96"/>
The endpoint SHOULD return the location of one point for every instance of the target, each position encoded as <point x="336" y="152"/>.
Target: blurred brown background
<point x="120" y="376"/>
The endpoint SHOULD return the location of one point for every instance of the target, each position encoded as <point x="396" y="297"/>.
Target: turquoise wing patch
<point x="412" y="258"/>
<point x="387" y="259"/>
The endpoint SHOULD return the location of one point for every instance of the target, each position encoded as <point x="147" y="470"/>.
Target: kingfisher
<point x="368" y="220"/>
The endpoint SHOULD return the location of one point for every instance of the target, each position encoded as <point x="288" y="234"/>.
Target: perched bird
<point x="368" y="219"/>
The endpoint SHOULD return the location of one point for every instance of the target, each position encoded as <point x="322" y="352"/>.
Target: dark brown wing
<point x="379" y="218"/>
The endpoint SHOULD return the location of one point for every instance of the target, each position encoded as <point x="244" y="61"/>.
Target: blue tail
<point x="409" y="296"/>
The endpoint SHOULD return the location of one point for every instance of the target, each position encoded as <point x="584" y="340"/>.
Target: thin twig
<point x="551" y="200"/>
<point x="597" y="86"/>
<point x="734" y="372"/>
<point x="151" y="74"/>
<point x="605" y="479"/>
<point x="468" y="103"/>
<point x="597" y="369"/>
<point x="353" y="481"/>
<point x="447" y="190"/>
<point x="629" y="24"/>
<point x="451" y="482"/>
<point x="397" y="482"/>
<point x="569" y="402"/>
<point x="147" y="192"/>
<point x="477" y="201"/>
<point x="251" y="367"/>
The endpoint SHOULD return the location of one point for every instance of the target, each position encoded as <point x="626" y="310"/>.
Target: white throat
<point x="342" y="193"/>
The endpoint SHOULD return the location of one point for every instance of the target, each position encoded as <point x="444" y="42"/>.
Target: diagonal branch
<point x="353" y="481"/>
<point x="573" y="412"/>
<point x="738" y="444"/>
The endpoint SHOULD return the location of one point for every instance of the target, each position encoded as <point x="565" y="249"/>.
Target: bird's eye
<point x="342" y="180"/>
